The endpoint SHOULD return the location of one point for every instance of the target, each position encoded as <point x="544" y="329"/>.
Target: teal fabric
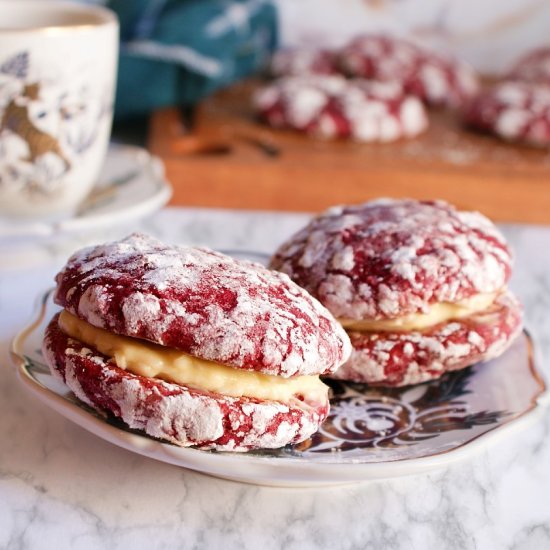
<point x="175" y="52"/>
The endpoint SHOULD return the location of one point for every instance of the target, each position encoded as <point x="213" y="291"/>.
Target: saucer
<point x="131" y="186"/>
<point x="370" y="433"/>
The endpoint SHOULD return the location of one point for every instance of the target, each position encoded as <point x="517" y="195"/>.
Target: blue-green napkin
<point x="175" y="52"/>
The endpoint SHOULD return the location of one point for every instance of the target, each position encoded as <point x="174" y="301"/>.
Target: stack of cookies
<point x="199" y="349"/>
<point x="420" y="287"/>
<point x="191" y="346"/>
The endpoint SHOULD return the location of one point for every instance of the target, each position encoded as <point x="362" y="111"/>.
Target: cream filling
<point x="155" y="361"/>
<point x="437" y="313"/>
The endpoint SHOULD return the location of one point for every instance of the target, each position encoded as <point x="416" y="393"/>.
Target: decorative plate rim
<point x="290" y="471"/>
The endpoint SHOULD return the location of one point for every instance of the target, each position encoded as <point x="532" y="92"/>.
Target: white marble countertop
<point x="62" y="487"/>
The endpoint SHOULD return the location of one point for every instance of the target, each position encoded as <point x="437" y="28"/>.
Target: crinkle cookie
<point x="410" y="357"/>
<point x="434" y="78"/>
<point x="192" y="346"/>
<point x="333" y="107"/>
<point x="514" y="111"/>
<point x="419" y="286"/>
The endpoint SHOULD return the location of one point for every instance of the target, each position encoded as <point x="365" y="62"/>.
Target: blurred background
<point x="182" y="50"/>
<point x="489" y="34"/>
<point x="189" y="71"/>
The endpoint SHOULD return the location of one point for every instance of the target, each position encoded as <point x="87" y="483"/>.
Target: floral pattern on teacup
<point x="45" y="128"/>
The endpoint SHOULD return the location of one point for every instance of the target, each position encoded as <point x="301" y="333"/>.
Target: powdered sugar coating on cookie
<point x="434" y="78"/>
<point x="181" y="415"/>
<point x="514" y="111"/>
<point x="403" y="358"/>
<point x="332" y="107"/>
<point x="204" y="303"/>
<point x="388" y="258"/>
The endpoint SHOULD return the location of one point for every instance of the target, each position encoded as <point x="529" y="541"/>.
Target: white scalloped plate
<point x="371" y="433"/>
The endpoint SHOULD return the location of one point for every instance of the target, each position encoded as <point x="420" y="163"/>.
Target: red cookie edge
<point x="172" y="412"/>
<point x="406" y="358"/>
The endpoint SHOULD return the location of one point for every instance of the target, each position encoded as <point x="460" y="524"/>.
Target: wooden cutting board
<point x="230" y="160"/>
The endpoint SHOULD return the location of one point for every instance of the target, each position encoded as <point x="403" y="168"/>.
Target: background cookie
<point x="436" y="79"/>
<point x="331" y="107"/>
<point x="514" y="111"/>
<point x="379" y="57"/>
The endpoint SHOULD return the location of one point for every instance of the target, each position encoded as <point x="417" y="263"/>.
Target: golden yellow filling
<point x="155" y="361"/>
<point x="438" y="313"/>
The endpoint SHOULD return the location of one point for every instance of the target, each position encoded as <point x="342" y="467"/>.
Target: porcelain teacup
<point x="58" y="65"/>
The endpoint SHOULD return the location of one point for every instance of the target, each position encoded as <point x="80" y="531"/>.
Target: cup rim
<point x="105" y="16"/>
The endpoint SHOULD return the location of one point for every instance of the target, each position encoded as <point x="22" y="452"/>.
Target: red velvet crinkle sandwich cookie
<point x="436" y="79"/>
<point x="514" y="111"/>
<point x="191" y="346"/>
<point x="333" y="107"/>
<point x="419" y="286"/>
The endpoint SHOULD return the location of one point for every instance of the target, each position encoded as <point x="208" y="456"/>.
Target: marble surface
<point x="65" y="488"/>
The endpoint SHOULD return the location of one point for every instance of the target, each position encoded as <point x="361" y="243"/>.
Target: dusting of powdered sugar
<point x="190" y="418"/>
<point x="514" y="111"/>
<point x="175" y="413"/>
<point x="331" y="106"/>
<point x="403" y="358"/>
<point x="389" y="258"/>
<point x="379" y="57"/>
<point x="204" y="303"/>
<point x="434" y="78"/>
